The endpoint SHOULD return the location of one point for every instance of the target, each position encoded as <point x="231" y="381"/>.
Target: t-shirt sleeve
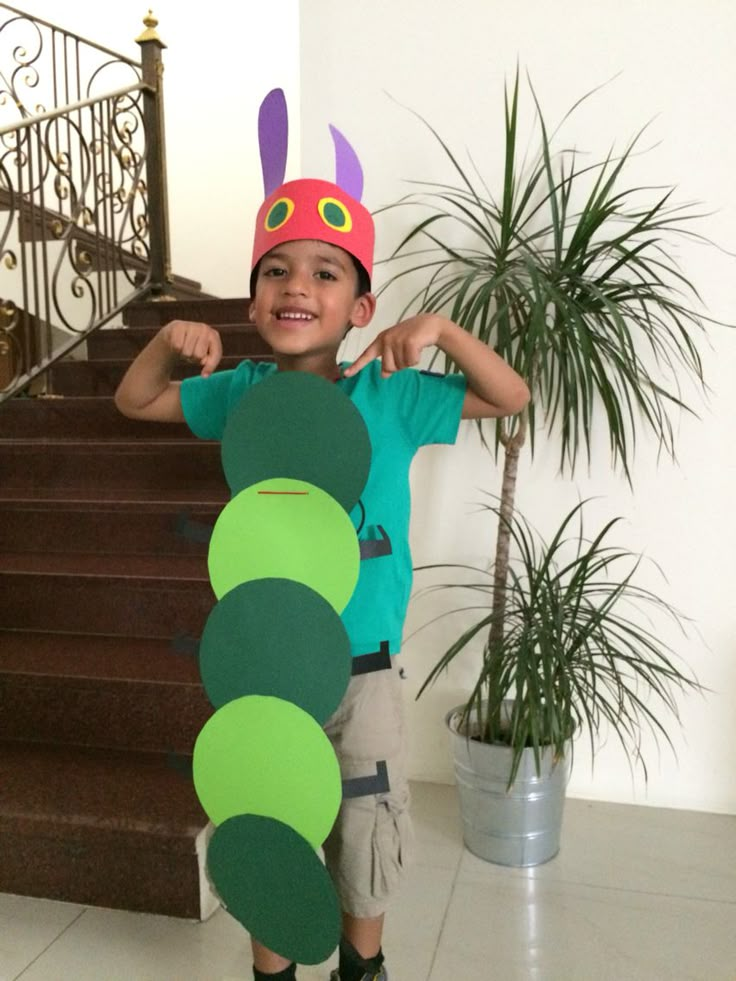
<point x="206" y="402"/>
<point x="432" y="405"/>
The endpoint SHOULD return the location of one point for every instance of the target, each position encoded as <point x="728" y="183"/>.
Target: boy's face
<point x="305" y="298"/>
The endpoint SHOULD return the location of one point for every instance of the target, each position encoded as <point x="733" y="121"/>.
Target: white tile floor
<point x="636" y="894"/>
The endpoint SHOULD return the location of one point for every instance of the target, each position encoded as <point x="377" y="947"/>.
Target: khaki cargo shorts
<point x="368" y="848"/>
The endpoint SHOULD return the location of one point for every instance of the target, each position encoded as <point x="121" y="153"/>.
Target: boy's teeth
<point x="295" y="316"/>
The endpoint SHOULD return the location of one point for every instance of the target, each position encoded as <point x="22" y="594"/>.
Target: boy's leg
<point x="367" y="850"/>
<point x="364" y="933"/>
<point x="266" y="962"/>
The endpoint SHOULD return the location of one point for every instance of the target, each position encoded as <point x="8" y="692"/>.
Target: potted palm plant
<point x="568" y="274"/>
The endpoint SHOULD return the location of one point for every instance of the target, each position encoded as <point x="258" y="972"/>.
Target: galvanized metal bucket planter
<point x="520" y="826"/>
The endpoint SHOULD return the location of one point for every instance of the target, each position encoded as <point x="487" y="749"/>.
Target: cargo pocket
<point x="392" y="836"/>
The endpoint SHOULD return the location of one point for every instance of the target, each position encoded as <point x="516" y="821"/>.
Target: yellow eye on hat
<point x="278" y="214"/>
<point x="335" y="215"/>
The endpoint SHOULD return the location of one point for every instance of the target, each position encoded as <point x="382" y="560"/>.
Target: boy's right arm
<point x="147" y="390"/>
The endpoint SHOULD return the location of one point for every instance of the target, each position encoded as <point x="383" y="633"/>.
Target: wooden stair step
<point x="80" y="825"/>
<point x="229" y="310"/>
<point x="89" y="378"/>
<point x="114" y="692"/>
<point x="114" y="497"/>
<point x="122" y="565"/>
<point x="104" y="530"/>
<point x="94" y="658"/>
<point x="157" y="604"/>
<point x="238" y="339"/>
<point x="78" y="418"/>
<point x="41" y="466"/>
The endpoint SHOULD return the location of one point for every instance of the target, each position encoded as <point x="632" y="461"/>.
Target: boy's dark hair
<point x="364" y="281"/>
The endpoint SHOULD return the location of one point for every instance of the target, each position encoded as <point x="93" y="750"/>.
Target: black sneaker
<point x="380" y="975"/>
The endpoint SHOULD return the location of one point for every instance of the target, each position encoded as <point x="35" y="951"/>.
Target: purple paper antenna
<point x="348" y="172"/>
<point x="273" y="139"/>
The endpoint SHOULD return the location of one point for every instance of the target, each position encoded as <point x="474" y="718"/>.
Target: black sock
<point x="353" y="966"/>
<point x="288" y="974"/>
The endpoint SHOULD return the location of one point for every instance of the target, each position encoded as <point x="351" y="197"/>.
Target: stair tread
<point x="197" y="509"/>
<point x="116" y="499"/>
<point x="123" y="497"/>
<point x="95" y="658"/>
<point x="96" y="792"/>
<point x="103" y="376"/>
<point x="43" y="468"/>
<point x="226" y="327"/>
<point x="118" y="566"/>
<point x="123" y="445"/>
<point x="71" y="417"/>
<point x="227" y="361"/>
<point x="226" y="309"/>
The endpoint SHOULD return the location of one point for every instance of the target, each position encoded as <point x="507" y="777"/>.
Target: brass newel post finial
<point x="152" y="76"/>
<point x="150" y="34"/>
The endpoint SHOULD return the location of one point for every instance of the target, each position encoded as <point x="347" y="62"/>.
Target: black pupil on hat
<point x="334" y="215"/>
<point x="277" y="214"/>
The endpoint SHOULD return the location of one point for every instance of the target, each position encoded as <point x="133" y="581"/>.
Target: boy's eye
<point x="274" y="271"/>
<point x="326" y="274"/>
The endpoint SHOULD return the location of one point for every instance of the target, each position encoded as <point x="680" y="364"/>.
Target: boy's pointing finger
<point x="370" y="354"/>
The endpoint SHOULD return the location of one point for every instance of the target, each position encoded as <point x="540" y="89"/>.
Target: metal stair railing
<point x="83" y="210"/>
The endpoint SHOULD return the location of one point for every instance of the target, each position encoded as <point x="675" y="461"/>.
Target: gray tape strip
<point x="180" y="764"/>
<point x="185" y="644"/>
<point x="379" y="660"/>
<point x="374" y="548"/>
<point x="193" y="531"/>
<point x="367" y="786"/>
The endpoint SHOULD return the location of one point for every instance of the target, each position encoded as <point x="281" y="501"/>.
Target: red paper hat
<point x="307" y="208"/>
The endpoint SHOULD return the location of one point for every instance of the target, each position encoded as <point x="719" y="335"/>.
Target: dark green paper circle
<point x="272" y="882"/>
<point x="277" y="214"/>
<point x="334" y="215"/>
<point x="295" y="424"/>
<point x="276" y="637"/>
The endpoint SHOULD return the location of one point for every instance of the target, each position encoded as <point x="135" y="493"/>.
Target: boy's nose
<point x="295" y="284"/>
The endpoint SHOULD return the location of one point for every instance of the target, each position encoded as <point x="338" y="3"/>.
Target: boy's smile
<point x="305" y="300"/>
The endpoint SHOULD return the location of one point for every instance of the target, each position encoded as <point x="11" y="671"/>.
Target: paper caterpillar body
<point x="274" y="656"/>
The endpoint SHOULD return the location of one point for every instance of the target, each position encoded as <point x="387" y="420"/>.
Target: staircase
<point x="103" y="593"/>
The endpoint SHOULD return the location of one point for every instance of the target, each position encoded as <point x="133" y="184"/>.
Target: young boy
<point x="310" y="283"/>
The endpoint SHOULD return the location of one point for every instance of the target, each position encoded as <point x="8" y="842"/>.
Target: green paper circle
<point x="285" y="529"/>
<point x="276" y="637"/>
<point x="262" y="755"/>
<point x="273" y="883"/>
<point x="277" y="215"/>
<point x="295" y="424"/>
<point x="334" y="215"/>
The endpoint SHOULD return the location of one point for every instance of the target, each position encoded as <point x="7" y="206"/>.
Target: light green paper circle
<point x="285" y="529"/>
<point x="261" y="755"/>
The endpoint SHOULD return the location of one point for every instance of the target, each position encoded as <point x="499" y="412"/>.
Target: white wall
<point x="449" y="62"/>
<point x="220" y="60"/>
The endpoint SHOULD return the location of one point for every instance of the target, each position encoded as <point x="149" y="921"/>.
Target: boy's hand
<point x="195" y="342"/>
<point x="400" y="346"/>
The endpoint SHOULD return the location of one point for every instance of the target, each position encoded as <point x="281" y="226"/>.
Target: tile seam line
<point x="619" y="889"/>
<point x="444" y="916"/>
<point x="50" y="945"/>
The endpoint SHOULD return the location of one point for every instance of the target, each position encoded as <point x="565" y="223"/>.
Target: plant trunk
<point x="512" y="449"/>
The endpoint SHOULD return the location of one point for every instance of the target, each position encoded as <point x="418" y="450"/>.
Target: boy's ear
<point x="251" y="311"/>
<point x="363" y="309"/>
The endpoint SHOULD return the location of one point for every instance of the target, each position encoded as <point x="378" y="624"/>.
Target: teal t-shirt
<point x="403" y="412"/>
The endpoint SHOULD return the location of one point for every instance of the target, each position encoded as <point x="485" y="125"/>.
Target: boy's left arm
<point x="494" y="388"/>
